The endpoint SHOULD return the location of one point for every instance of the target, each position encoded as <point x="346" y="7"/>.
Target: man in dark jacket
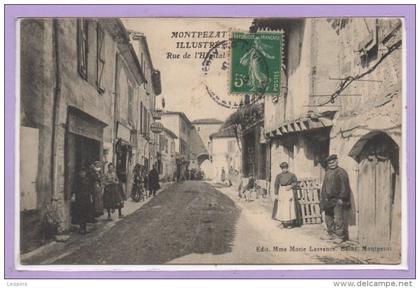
<point x="335" y="198"/>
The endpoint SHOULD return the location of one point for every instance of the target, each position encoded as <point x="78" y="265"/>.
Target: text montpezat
<point x="198" y="35"/>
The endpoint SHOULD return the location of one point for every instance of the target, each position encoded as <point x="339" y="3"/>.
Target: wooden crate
<point x="309" y="195"/>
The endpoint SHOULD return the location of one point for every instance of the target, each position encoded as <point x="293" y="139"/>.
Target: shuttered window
<point x="130" y="104"/>
<point x="142" y="62"/>
<point x="149" y="121"/>
<point x="145" y="121"/>
<point x="141" y="117"/>
<point x="100" y="59"/>
<point x="82" y="47"/>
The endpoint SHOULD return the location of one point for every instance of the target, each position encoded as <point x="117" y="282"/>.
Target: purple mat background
<point x="12" y="12"/>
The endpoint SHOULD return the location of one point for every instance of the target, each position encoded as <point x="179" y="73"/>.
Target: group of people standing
<point x="181" y="170"/>
<point x="228" y="178"/>
<point x="96" y="191"/>
<point x="335" y="200"/>
<point x="146" y="180"/>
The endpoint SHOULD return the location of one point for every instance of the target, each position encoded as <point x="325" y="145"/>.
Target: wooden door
<point x="249" y="155"/>
<point x="367" y="200"/>
<point x="71" y="163"/>
<point x="376" y="186"/>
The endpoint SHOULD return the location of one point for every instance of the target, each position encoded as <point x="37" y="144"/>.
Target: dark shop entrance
<point x="83" y="146"/>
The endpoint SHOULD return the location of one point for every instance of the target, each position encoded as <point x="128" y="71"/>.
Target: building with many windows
<point x="180" y="125"/>
<point x="166" y="163"/>
<point x="82" y="86"/>
<point x="226" y="154"/>
<point x="147" y="149"/>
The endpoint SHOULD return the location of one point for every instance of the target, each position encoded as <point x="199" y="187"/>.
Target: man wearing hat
<point x="335" y="198"/>
<point x="284" y="208"/>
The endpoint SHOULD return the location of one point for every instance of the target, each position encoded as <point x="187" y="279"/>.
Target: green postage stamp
<point x="256" y="60"/>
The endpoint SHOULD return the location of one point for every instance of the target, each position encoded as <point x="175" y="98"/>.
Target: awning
<point x="84" y="124"/>
<point x="312" y="121"/>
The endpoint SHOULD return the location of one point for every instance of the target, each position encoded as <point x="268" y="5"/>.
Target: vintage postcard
<point x="216" y="141"/>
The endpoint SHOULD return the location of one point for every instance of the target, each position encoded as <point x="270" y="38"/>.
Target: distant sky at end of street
<point x="183" y="82"/>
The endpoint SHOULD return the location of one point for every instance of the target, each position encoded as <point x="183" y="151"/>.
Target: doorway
<point x="81" y="152"/>
<point x="122" y="166"/>
<point x="378" y="189"/>
<point x="87" y="151"/>
<point x="249" y="155"/>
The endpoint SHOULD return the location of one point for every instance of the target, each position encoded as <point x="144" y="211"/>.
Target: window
<point x="142" y="62"/>
<point x="100" y="58"/>
<point x="130" y="104"/>
<point x="149" y="121"/>
<point x="82" y="47"/>
<point x="145" y="120"/>
<point x="141" y="117"/>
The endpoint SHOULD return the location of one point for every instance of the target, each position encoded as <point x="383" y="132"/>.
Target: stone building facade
<point x="206" y="127"/>
<point x="342" y="94"/>
<point x="166" y="155"/>
<point x="144" y="144"/>
<point x="81" y="82"/>
<point x="179" y="124"/>
<point x="247" y="123"/>
<point x="192" y="138"/>
<point x="225" y="153"/>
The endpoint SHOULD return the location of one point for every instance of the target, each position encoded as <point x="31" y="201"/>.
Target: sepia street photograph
<point x="211" y="141"/>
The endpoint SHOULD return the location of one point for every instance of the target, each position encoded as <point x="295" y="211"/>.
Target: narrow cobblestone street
<point x="200" y="223"/>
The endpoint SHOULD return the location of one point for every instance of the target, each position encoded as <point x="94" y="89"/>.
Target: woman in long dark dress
<point x="97" y="187"/>
<point x="223" y="175"/>
<point x="83" y="201"/>
<point x="112" y="192"/>
<point x="153" y="181"/>
<point x="145" y="177"/>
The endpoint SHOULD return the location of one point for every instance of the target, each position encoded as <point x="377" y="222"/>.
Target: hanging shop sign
<point x="157" y="114"/>
<point x="156" y="127"/>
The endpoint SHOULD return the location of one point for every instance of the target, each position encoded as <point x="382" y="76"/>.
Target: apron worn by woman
<point x="286" y="212"/>
<point x="284" y="208"/>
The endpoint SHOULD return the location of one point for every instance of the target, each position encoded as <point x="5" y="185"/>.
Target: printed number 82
<point x="239" y="80"/>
